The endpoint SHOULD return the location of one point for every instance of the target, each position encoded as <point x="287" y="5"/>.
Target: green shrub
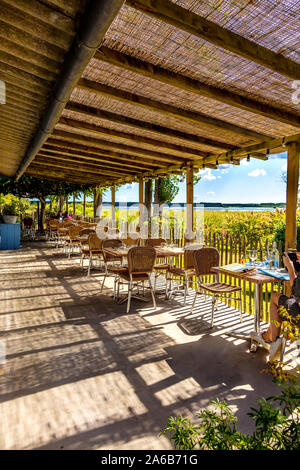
<point x="277" y="418"/>
<point x="277" y="425"/>
<point x="280" y="233"/>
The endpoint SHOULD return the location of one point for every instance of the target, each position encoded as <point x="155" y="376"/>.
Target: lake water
<point x="181" y="206"/>
<point x="242" y="209"/>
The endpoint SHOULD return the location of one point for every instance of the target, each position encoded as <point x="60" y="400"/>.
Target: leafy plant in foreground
<point x="277" y="418"/>
<point x="277" y="426"/>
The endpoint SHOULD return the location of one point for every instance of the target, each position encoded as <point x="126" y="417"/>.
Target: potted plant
<point x="10" y="212"/>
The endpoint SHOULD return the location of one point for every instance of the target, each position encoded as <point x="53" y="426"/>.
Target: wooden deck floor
<point x="80" y="373"/>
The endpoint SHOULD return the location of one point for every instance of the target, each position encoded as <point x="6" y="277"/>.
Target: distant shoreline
<point x="211" y="205"/>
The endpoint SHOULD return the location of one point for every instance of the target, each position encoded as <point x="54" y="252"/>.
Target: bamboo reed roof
<point x="174" y="83"/>
<point x="34" y="39"/>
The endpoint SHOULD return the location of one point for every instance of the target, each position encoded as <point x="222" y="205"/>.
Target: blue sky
<point x="256" y="181"/>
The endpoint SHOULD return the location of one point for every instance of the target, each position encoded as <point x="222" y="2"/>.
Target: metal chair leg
<point x="129" y="296"/>
<point x="104" y="277"/>
<point x="213" y="309"/>
<point x="89" y="267"/>
<point x="167" y="286"/>
<point x="194" y="303"/>
<point x="240" y="306"/>
<point x="185" y="286"/>
<point x="152" y="294"/>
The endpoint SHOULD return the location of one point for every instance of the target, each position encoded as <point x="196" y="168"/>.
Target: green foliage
<point x="13" y="205"/>
<point x="277" y="419"/>
<point x="277" y="425"/>
<point x="183" y="432"/>
<point x="280" y="233"/>
<point x="31" y="187"/>
<point x="168" y="188"/>
<point x="252" y="225"/>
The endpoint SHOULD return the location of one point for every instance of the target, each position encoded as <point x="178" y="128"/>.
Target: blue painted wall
<point x="10" y="236"/>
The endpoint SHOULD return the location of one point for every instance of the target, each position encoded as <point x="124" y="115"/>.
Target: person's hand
<point x="287" y="262"/>
<point x="290" y="267"/>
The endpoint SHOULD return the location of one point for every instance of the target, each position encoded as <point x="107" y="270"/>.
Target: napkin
<point x="275" y="273"/>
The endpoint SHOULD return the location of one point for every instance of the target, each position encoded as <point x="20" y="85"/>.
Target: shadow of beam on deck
<point x="111" y="341"/>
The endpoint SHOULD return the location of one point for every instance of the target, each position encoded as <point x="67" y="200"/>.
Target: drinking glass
<point x="253" y="256"/>
<point x="268" y="258"/>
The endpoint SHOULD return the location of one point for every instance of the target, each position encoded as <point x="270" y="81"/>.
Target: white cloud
<point x="244" y="161"/>
<point x="224" y="165"/>
<point x="207" y="174"/>
<point x="284" y="167"/>
<point x="257" y="172"/>
<point x="210" y="193"/>
<point x="278" y="156"/>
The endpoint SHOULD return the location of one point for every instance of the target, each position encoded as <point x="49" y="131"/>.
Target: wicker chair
<point x="94" y="250"/>
<point x="61" y="233"/>
<point x="160" y="269"/>
<point x="111" y="270"/>
<point x="205" y="259"/>
<point x="71" y="239"/>
<point x="186" y="274"/>
<point x="155" y="241"/>
<point x="67" y="222"/>
<point x="84" y="245"/>
<point x="140" y="267"/>
<point x="130" y="241"/>
<point x="53" y="224"/>
<point x="85" y="231"/>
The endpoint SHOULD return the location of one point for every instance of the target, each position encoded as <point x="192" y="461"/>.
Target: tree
<point x="38" y="188"/>
<point x="284" y="179"/>
<point x="166" y="189"/>
<point x="98" y="193"/>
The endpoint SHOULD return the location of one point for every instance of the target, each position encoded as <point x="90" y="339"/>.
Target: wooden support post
<point x="113" y="205"/>
<point x="74" y="204"/>
<point x="61" y="203"/>
<point x="84" y="204"/>
<point x="292" y="196"/>
<point x="189" y="203"/>
<point x="148" y="202"/>
<point x="141" y="208"/>
<point x="38" y="214"/>
<point x="95" y="202"/>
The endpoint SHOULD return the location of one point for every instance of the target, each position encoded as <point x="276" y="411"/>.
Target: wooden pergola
<point x="118" y="91"/>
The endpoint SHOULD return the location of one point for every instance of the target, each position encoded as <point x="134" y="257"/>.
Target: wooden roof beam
<point x="44" y="13"/>
<point x="107" y="159"/>
<point x="55" y="175"/>
<point x="136" y="123"/>
<point x="169" y="12"/>
<point x="190" y="116"/>
<point x="83" y="176"/>
<point x="195" y="86"/>
<point x="133" y="138"/>
<point x="94" y="23"/>
<point x="209" y="162"/>
<point x="252" y="150"/>
<point x="94" y="145"/>
<point x="74" y="165"/>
